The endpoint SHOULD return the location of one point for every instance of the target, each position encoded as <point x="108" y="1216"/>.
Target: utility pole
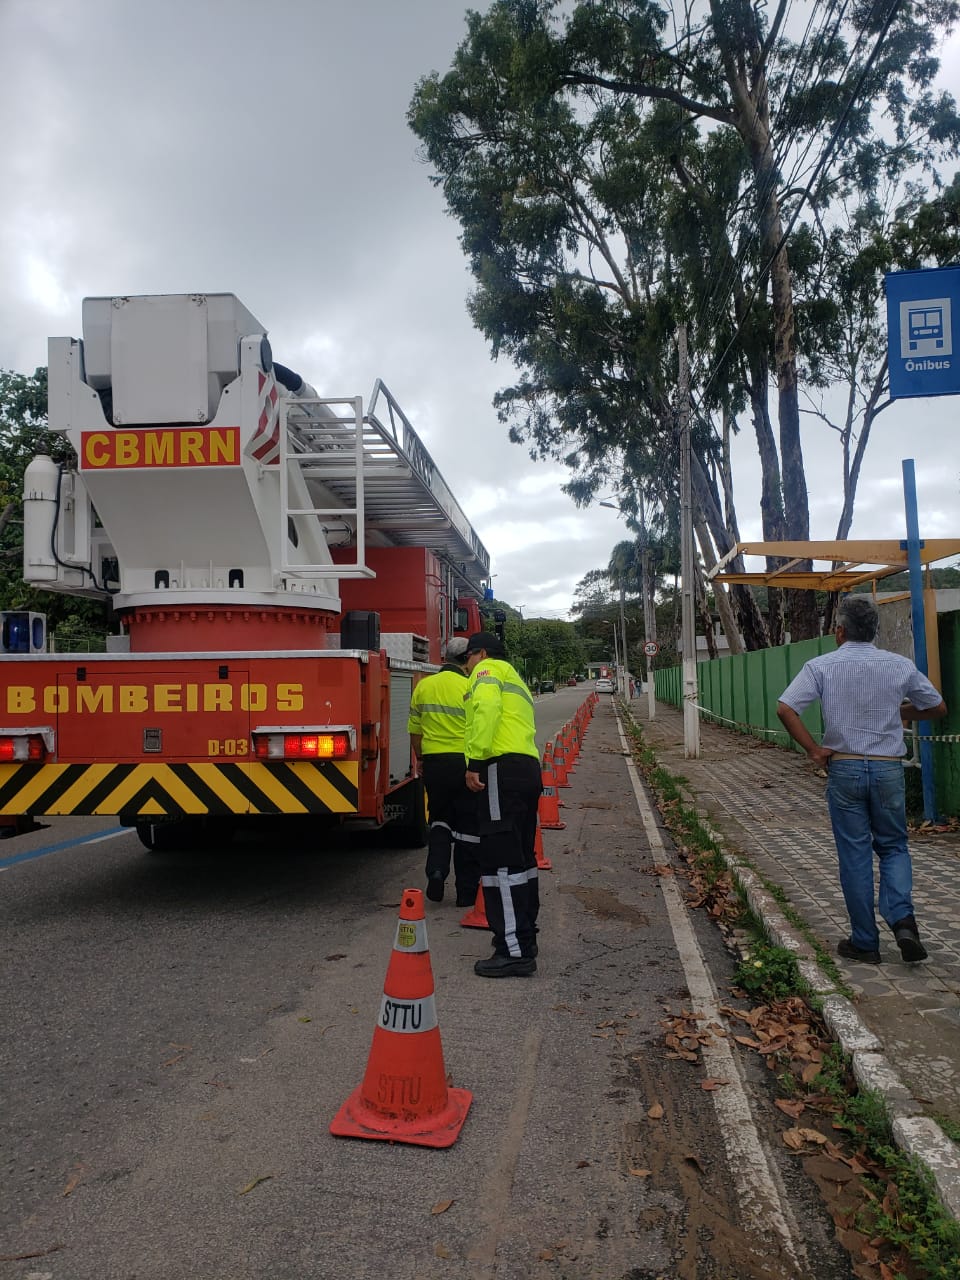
<point x="649" y="609"/>
<point x="691" y="714"/>
<point x="624" y="674"/>
<point x="616" y="653"/>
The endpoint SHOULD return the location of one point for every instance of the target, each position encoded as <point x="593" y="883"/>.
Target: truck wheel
<point x="410" y="831"/>
<point x="176" y="835"/>
<point x="167" y="837"/>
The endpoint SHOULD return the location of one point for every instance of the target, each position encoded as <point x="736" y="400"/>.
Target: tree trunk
<point x="706" y="622"/>
<point x="721" y="599"/>
<point x="740" y="39"/>
<point x="749" y="618"/>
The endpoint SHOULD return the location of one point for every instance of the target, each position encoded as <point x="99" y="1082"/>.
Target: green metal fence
<point x="741" y="692"/>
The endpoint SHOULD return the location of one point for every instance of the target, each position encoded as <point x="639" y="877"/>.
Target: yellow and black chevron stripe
<point x="175" y="790"/>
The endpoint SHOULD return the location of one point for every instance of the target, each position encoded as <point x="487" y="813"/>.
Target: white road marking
<point x="762" y="1197"/>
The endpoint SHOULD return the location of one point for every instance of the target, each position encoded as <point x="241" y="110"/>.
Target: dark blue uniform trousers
<point x="507" y="826"/>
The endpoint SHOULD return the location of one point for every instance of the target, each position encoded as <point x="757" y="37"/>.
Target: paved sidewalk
<point x="770" y="807"/>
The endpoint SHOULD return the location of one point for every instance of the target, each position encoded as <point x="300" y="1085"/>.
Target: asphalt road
<point x="180" y="1030"/>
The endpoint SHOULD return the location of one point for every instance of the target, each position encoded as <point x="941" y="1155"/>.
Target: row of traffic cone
<point x="558" y="761"/>
<point x="404" y="1095"/>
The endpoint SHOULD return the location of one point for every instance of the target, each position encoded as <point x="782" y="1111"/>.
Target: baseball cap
<point x="486" y="640"/>
<point x="457" y="649"/>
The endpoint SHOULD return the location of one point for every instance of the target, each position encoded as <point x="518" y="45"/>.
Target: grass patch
<point x="767" y="973"/>
<point x="903" y="1207"/>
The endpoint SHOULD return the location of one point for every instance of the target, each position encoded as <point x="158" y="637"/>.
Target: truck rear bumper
<point x="178" y="790"/>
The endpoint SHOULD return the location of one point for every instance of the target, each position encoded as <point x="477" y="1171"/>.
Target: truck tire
<point x="410" y="831"/>
<point x="178" y="835"/>
<point x="168" y="837"/>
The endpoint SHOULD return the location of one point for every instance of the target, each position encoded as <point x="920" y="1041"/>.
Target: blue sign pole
<point x="917" y="613"/>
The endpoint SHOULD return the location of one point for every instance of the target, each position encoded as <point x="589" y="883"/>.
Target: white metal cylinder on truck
<point x="40" y="482"/>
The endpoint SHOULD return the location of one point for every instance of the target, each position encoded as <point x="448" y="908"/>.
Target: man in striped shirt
<point x="865" y="695"/>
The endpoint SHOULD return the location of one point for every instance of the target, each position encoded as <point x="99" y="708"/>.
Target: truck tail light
<point x="22" y="748"/>
<point x="302" y="746"/>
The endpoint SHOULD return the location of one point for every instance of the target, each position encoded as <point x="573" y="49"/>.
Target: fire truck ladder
<point x="380" y="476"/>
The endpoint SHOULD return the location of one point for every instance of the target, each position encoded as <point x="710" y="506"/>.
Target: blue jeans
<point x="866" y="803"/>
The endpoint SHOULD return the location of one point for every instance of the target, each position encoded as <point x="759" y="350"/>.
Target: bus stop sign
<point x="923" y="332"/>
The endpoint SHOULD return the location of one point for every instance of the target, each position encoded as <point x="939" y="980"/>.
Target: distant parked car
<point x="547" y="686"/>
<point x="604" y="685"/>
<point x="572" y="681"/>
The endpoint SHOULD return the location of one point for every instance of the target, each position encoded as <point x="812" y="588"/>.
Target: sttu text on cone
<point x="404" y="1096"/>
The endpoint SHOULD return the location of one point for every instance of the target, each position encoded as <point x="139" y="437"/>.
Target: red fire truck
<point x="283" y="568"/>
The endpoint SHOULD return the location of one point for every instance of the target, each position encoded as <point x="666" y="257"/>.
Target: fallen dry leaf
<point x="791" y="1106"/>
<point x="655" y="1112"/>
<point x="641" y="1173"/>
<point x="254" y="1183"/>
<point x="796" y="1139"/>
<point x="441" y="1250"/>
<point x="442" y="1206"/>
<point x="813" y="1135"/>
<point x="37" y="1253"/>
<point x="709" y="1085"/>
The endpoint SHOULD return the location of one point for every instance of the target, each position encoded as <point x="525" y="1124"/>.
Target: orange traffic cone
<point x="560" y="765"/>
<point x="548" y="808"/>
<point x="404" y="1095"/>
<point x="476" y="917"/>
<point x="543" y="862"/>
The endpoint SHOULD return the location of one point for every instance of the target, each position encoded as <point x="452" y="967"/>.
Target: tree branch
<point x="653" y="91"/>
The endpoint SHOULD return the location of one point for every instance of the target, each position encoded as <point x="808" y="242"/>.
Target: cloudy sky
<point x="232" y="146"/>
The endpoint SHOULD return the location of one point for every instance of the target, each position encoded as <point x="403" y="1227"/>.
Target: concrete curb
<point x="917" y="1136"/>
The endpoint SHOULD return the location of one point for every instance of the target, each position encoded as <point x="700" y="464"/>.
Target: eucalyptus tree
<point x="617" y="167"/>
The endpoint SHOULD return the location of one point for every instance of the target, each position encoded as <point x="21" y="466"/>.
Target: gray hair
<point x="859" y="617"/>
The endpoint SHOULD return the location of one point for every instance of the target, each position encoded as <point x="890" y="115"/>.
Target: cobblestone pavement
<point x="770" y="806"/>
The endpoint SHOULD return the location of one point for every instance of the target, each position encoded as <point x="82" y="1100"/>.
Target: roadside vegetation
<point x="884" y="1207"/>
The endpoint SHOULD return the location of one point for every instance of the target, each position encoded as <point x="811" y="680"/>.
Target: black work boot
<point x="908" y="940"/>
<point x="850" y="952"/>
<point x="435" y="886"/>
<point x="497" y="966"/>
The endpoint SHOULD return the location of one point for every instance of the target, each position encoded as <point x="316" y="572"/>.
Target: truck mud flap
<point x="178" y="790"/>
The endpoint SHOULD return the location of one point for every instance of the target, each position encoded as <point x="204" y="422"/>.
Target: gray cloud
<point x="264" y="151"/>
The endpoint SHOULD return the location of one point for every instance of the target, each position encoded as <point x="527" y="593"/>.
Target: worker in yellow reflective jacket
<point x="503" y="770"/>
<point x="437" y="723"/>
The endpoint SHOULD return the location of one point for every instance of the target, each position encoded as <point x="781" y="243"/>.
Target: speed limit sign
<point x="651" y="649"/>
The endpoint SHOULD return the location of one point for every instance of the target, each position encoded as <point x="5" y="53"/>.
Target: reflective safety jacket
<point x="500" y="718"/>
<point x="438" y="711"/>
